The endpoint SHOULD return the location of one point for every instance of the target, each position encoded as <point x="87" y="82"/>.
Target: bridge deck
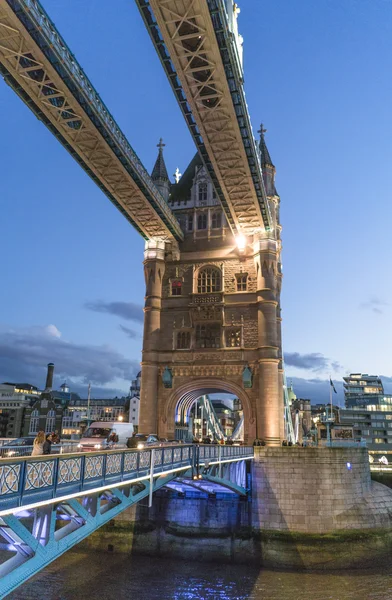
<point x="37" y="64"/>
<point x="50" y="503"/>
<point x="200" y="49"/>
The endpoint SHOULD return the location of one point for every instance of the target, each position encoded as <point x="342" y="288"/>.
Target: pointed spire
<point x="267" y="165"/>
<point x="159" y="173"/>
<point x="264" y="154"/>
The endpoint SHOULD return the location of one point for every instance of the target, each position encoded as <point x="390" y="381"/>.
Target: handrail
<point x="26" y="481"/>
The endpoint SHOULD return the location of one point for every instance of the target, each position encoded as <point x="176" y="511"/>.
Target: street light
<point x="121" y="418"/>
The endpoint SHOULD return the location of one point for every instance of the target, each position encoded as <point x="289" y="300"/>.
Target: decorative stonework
<point x="69" y="470"/>
<point x="93" y="467"/>
<point x="9" y="479"/>
<point x="113" y="464"/>
<point x="39" y="475"/>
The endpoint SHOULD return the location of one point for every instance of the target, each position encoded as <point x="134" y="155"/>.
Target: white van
<point x="96" y="437"/>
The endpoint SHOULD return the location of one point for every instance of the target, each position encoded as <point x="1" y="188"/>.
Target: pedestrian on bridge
<point x="38" y="444"/>
<point x="47" y="448"/>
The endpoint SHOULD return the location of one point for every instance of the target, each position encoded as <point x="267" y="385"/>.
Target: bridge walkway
<point x="50" y="503"/>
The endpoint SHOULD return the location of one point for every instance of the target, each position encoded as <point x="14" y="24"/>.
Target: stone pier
<point x="310" y="508"/>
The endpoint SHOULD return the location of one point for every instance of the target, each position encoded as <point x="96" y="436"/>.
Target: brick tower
<point x="212" y="310"/>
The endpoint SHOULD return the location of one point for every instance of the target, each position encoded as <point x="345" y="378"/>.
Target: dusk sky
<point x="319" y="76"/>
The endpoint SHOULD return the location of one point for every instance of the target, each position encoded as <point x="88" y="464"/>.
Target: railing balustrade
<point x="28" y="480"/>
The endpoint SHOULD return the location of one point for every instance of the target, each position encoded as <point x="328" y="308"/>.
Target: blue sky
<point x="317" y="74"/>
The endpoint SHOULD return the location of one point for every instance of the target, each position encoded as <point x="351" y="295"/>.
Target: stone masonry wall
<point x="312" y="490"/>
<point x="308" y="510"/>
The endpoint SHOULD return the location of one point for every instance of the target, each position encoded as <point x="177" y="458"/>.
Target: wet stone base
<point x="220" y="530"/>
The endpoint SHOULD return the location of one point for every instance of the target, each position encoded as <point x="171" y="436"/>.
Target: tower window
<point x="202" y="221"/>
<point x="208" y="336"/>
<point x="216" y="220"/>
<point x="233" y="338"/>
<point x="202" y="192"/>
<point x="190" y="222"/>
<point x="176" y="288"/>
<point x="209" y="280"/>
<point x="183" y="340"/>
<point x="242" y="282"/>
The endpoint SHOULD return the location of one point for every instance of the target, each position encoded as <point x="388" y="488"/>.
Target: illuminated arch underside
<point x="186" y="402"/>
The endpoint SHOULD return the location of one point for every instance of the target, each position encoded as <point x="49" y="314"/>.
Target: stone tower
<point x="212" y="312"/>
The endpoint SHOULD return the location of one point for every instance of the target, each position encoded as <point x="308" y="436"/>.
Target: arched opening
<point x="218" y="410"/>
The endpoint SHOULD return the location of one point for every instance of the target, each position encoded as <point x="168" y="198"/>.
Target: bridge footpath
<point x="50" y="503"/>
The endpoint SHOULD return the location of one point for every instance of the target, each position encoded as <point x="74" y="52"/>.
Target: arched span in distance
<point x="183" y="398"/>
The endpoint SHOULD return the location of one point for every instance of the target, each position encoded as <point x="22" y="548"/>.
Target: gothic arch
<point x="208" y="385"/>
<point x="203" y="268"/>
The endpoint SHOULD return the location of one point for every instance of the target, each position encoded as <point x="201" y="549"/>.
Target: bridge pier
<point x="309" y="508"/>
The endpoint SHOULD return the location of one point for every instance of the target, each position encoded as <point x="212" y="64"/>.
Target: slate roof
<point x="181" y="190"/>
<point x="159" y="171"/>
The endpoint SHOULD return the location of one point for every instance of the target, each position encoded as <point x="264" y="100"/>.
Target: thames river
<point x="102" y="576"/>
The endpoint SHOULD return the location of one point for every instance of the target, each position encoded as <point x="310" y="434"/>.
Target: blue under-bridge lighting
<point x="349" y="466"/>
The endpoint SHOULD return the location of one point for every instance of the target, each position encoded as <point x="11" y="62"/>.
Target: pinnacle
<point x="264" y="154"/>
<point x="159" y="171"/>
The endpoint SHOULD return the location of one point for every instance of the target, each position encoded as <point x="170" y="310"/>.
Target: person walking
<point x="47" y="447"/>
<point x="38" y="444"/>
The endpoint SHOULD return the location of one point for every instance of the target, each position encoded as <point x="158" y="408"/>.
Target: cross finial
<point x="262" y="131"/>
<point x="161" y="144"/>
<point x="177" y="175"/>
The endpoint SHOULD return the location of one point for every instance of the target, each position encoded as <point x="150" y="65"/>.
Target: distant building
<point x="14" y="399"/>
<point x="134" y="400"/>
<point x="225" y="415"/>
<point x="66" y="412"/>
<point x="361" y="389"/>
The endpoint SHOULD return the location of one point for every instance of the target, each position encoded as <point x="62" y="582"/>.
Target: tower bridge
<point x="213" y="251"/>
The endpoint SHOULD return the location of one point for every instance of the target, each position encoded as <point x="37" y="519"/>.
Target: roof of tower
<point x="264" y="154"/>
<point x="181" y="189"/>
<point x="159" y="171"/>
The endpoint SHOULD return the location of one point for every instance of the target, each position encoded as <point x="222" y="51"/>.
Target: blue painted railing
<point x="26" y="480"/>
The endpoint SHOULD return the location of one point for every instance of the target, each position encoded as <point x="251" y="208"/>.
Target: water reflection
<point x="81" y="576"/>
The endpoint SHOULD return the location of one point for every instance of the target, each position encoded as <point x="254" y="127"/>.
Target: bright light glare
<point x="241" y="242"/>
<point x="120" y="418"/>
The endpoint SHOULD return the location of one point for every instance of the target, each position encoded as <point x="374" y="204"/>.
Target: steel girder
<point x="37" y="64"/>
<point x="199" y="51"/>
<point x="36" y="546"/>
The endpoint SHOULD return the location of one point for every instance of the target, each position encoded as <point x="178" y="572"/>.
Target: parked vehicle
<point x="22" y="446"/>
<point x="143" y="440"/>
<point x="105" y="435"/>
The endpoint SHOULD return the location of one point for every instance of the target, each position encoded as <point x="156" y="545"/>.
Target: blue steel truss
<point x="44" y="33"/>
<point x="235" y="81"/>
<point x="50" y="503"/>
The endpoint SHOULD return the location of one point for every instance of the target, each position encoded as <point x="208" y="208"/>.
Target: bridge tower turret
<point x="159" y="173"/>
<point x="212" y="316"/>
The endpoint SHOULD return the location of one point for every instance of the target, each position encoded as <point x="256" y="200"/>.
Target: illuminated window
<point x="202" y="221"/>
<point x="208" y="336"/>
<point x="241" y="282"/>
<point x="34" y="422"/>
<point x="202" y="192"/>
<point x="176" y="288"/>
<point x="233" y="338"/>
<point x="216" y="220"/>
<point x="209" y="280"/>
<point x="183" y="340"/>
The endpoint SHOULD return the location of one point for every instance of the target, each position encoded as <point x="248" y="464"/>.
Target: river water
<point x="105" y="576"/>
